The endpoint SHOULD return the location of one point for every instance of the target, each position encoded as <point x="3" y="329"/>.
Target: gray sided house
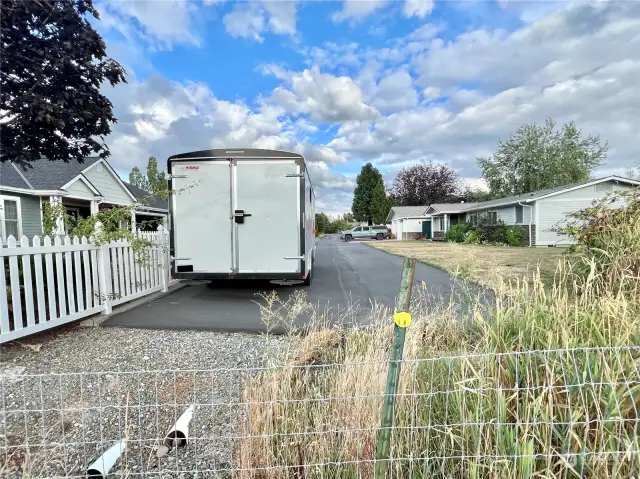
<point x="83" y="189"/>
<point x="534" y="213"/>
<point x="409" y="222"/>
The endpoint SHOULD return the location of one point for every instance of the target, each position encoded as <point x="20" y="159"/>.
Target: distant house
<point x="535" y="213"/>
<point x="409" y="222"/>
<point x="83" y="188"/>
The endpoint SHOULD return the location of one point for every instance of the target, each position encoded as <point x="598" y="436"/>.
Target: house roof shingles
<point x="52" y="175"/>
<point x="11" y="178"/>
<point x="147" y="199"/>
<point x="452" y="207"/>
<point x="406" y="211"/>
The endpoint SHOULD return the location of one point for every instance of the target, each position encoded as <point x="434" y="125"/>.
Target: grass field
<point x="544" y="382"/>
<point x="481" y="263"/>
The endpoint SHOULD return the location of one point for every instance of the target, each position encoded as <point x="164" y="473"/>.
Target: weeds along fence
<point x="559" y="413"/>
<point x="47" y="282"/>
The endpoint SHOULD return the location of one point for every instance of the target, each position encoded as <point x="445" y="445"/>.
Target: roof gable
<point x="82" y="187"/>
<point x="110" y="185"/>
<point x="406" y="212"/>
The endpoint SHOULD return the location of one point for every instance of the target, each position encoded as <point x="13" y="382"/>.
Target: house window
<point x="492" y="217"/>
<point x="519" y="214"/>
<point x="10" y="218"/>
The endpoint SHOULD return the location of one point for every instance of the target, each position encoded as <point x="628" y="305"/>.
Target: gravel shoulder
<point x="72" y="394"/>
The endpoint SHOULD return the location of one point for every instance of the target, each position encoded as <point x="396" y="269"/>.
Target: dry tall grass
<point x="545" y="382"/>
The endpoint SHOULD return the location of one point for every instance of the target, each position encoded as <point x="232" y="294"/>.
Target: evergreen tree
<point x="369" y="197"/>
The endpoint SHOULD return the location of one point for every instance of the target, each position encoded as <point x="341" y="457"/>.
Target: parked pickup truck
<point x="367" y="232"/>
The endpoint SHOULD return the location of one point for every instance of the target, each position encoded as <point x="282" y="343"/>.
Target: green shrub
<point x="474" y="237"/>
<point x="457" y="233"/>
<point x="513" y="236"/>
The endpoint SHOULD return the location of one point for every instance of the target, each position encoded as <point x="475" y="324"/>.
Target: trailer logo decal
<point x="192" y="167"/>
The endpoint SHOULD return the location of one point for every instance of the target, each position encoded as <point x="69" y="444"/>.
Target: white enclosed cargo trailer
<point x="241" y="214"/>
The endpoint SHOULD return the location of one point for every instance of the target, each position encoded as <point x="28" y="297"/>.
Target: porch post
<point x="133" y="221"/>
<point x="55" y="201"/>
<point x="444" y="228"/>
<point x="93" y="208"/>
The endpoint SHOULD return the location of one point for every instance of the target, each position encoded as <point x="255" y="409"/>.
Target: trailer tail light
<point x="315" y="231"/>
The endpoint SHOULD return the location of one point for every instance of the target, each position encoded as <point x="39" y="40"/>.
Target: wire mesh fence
<point x="560" y="413"/>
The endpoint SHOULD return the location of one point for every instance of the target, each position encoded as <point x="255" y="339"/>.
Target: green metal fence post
<point x="402" y="320"/>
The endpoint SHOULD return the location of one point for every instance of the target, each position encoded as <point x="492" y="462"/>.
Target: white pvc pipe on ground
<point x="101" y="467"/>
<point x="178" y="435"/>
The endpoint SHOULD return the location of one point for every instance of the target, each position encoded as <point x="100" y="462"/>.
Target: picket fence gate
<point x="52" y="282"/>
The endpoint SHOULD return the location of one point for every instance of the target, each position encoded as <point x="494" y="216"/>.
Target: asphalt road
<point x="349" y="280"/>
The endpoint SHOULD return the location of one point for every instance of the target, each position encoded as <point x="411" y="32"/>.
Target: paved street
<point x="348" y="279"/>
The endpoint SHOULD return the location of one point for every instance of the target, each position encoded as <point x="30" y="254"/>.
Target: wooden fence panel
<point x="51" y="285"/>
<point x="51" y="282"/>
<point x="40" y="293"/>
<point x="14" y="275"/>
<point x="4" y="301"/>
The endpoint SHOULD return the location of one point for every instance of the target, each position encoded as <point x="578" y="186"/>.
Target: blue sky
<point x="391" y="82"/>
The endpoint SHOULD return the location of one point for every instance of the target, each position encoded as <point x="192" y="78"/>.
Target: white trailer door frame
<point x="269" y="240"/>
<point x="201" y="216"/>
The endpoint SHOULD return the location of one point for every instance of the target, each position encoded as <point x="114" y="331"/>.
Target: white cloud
<point x="357" y="9"/>
<point x="417" y="8"/>
<point x="324" y="97"/>
<point x="245" y="22"/>
<point x="395" y="92"/>
<point x="572" y="42"/>
<point x="581" y="63"/>
<point x="159" y="118"/>
<point x="250" y="20"/>
<point x="158" y="24"/>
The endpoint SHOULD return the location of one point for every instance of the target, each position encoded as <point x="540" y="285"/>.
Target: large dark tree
<point x="52" y="66"/>
<point x="538" y="157"/>
<point x="424" y="184"/>
<point x="369" y="197"/>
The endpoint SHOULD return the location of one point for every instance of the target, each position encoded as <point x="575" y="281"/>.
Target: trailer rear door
<point x="269" y="239"/>
<point x="201" y="203"/>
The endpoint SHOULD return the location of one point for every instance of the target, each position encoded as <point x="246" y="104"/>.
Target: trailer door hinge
<point x="294" y="175"/>
<point x="179" y="259"/>
<point x="294" y="257"/>
<point x="172" y="177"/>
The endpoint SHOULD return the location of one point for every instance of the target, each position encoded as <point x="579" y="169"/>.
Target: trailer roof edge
<point x="236" y="153"/>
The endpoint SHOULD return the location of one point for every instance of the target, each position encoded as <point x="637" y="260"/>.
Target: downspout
<point x="530" y="219"/>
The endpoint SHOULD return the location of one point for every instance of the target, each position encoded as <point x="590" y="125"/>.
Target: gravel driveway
<point x="72" y="394"/>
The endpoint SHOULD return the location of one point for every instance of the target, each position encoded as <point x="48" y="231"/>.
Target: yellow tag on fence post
<point x="402" y="319"/>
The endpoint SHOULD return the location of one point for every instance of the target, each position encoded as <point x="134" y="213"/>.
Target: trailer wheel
<point x="309" y="279"/>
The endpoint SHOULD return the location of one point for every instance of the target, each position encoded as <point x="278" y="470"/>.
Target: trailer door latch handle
<point x="239" y="216"/>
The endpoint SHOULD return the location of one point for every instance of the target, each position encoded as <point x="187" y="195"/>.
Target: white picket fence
<point x="47" y="283"/>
